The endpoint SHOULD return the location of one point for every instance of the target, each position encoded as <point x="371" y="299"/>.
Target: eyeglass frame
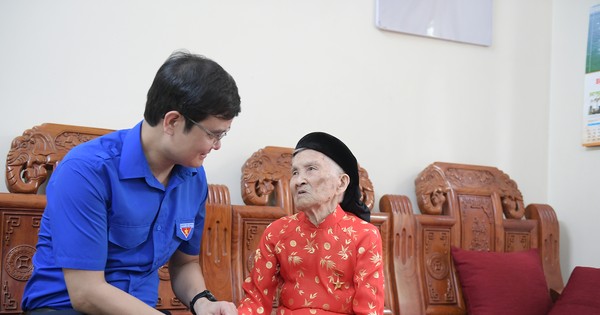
<point x="214" y="137"/>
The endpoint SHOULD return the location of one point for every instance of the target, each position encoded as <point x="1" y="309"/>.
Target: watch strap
<point x="204" y="294"/>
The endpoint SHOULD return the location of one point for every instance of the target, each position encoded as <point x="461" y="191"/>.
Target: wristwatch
<point x="204" y="294"/>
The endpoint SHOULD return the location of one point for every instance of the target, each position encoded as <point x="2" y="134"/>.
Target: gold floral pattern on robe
<point x="335" y="268"/>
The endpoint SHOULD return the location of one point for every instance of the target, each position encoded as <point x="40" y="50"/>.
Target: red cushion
<point x="502" y="283"/>
<point x="581" y="295"/>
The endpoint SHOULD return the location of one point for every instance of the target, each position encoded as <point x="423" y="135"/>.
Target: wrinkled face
<point x="192" y="147"/>
<point x="315" y="180"/>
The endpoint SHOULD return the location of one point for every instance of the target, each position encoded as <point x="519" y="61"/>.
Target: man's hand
<point x="205" y="307"/>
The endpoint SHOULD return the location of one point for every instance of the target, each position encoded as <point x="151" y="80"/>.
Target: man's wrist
<point x="204" y="294"/>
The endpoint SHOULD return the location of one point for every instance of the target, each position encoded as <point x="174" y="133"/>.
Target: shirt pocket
<point x="128" y="236"/>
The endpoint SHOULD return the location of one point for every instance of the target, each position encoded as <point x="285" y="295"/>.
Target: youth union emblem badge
<point x="186" y="229"/>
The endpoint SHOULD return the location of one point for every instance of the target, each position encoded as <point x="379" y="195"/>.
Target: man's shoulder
<point x="102" y="147"/>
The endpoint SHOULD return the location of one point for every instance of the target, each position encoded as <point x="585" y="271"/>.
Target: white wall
<point x="573" y="169"/>
<point x="399" y="101"/>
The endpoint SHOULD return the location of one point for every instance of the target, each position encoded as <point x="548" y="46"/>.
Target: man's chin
<point x="195" y="164"/>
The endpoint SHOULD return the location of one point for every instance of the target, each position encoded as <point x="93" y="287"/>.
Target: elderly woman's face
<point x="315" y="180"/>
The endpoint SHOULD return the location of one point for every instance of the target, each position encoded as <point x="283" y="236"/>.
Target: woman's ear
<point x="344" y="182"/>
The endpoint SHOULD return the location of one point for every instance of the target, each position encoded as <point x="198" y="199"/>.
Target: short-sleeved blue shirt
<point x="106" y="211"/>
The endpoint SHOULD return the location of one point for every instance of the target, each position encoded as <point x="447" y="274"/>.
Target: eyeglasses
<point x="213" y="136"/>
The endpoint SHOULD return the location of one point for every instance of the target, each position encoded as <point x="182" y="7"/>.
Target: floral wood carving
<point x="478" y="222"/>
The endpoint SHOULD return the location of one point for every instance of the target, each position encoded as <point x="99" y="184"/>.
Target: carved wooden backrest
<point x="33" y="155"/>
<point x="472" y="207"/>
<point x="29" y="163"/>
<point x="20" y="215"/>
<point x="266" y="176"/>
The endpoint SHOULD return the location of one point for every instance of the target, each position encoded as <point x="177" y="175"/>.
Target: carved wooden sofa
<point x="231" y="232"/>
<point x="476" y="208"/>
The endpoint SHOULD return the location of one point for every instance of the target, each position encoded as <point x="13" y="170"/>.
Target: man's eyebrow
<point x="218" y="131"/>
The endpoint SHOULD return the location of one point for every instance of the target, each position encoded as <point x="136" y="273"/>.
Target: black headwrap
<point x="340" y="154"/>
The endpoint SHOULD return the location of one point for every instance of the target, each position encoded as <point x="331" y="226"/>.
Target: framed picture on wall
<point x="467" y="21"/>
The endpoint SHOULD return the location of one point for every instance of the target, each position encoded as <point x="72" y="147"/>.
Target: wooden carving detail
<point x="517" y="241"/>
<point x="262" y="172"/>
<point x="512" y="208"/>
<point x="431" y="191"/>
<point x="20" y="215"/>
<point x="18" y="262"/>
<point x="511" y="198"/>
<point x="435" y="181"/>
<point x="8" y="301"/>
<point x="28" y="161"/>
<point x="366" y="188"/>
<point x="461" y="178"/>
<point x="252" y="237"/>
<point x="513" y="205"/>
<point x="11" y="223"/>
<point x="176" y="302"/>
<point x="34" y="154"/>
<point x="439" y="283"/>
<point x="253" y="232"/>
<point x="477" y="219"/>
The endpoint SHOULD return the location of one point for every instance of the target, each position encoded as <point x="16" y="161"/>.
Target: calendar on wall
<point x="591" y="98"/>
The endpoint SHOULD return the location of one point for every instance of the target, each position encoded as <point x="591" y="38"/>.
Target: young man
<point x="122" y="205"/>
<point x="327" y="257"/>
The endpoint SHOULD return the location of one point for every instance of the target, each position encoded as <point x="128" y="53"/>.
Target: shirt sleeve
<point x="77" y="208"/>
<point x="368" y="275"/>
<point x="260" y="287"/>
<point x="193" y="245"/>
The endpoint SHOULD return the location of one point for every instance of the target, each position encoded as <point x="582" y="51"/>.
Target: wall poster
<point x="591" y="104"/>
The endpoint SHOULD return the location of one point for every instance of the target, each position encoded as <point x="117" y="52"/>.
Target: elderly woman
<point x="326" y="258"/>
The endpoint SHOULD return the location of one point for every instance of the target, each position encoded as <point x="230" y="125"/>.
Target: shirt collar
<point x="134" y="163"/>
<point x="330" y="220"/>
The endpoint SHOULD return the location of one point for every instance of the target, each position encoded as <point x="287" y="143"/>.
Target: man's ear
<point x="171" y="120"/>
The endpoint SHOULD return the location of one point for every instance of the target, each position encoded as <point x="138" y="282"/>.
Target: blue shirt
<point x="106" y="211"/>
